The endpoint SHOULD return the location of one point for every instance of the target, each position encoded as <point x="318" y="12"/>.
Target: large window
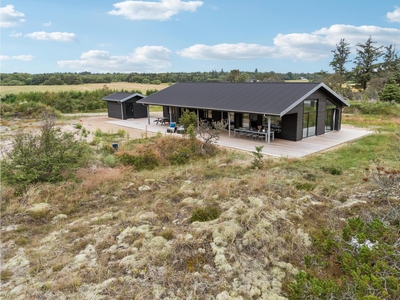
<point x="276" y="123"/>
<point x="310" y="118"/>
<point x="330" y="116"/>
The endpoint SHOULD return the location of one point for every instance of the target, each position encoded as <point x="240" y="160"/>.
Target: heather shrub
<point x="204" y="214"/>
<point x="362" y="263"/>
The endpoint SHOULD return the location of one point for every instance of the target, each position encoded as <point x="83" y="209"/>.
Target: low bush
<point x="332" y="170"/>
<point x="146" y="161"/>
<point x="304" y="186"/>
<point x="181" y="157"/>
<point x="205" y="214"/>
<point x="6" y="275"/>
<point x="26" y="110"/>
<point x="374" y="108"/>
<point x="49" y="156"/>
<point x="362" y="263"/>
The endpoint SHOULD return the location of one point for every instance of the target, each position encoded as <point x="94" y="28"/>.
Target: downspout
<point x="122" y="111"/>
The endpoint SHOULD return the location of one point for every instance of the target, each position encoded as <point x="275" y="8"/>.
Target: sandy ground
<point x="91" y="122"/>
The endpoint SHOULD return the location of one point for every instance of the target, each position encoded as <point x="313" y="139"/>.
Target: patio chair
<point x="172" y="127"/>
<point x="181" y="129"/>
<point x="240" y="133"/>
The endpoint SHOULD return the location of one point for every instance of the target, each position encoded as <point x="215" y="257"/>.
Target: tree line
<point x="8" y="79"/>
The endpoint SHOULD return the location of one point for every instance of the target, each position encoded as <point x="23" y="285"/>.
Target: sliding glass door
<point x="330" y="116"/>
<point x="310" y="118"/>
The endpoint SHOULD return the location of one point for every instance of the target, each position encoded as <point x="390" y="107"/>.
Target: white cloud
<point x="15" y="34"/>
<point x="394" y="16"/>
<point x="146" y="10"/>
<point x="296" y="46"/>
<point x="17" y="57"/>
<point x="52" y="36"/>
<point x="360" y="34"/>
<point x="227" y="51"/>
<point x="10" y="17"/>
<point x="47" y="24"/>
<point x="143" y="59"/>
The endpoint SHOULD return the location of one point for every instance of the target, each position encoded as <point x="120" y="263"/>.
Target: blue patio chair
<point x="172" y="127"/>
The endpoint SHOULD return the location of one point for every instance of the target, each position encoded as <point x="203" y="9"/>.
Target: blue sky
<point x="43" y="36"/>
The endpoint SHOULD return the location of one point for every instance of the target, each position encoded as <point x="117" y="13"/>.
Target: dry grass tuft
<point x="92" y="179"/>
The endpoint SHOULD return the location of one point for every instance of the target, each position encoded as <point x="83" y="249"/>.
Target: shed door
<point x="129" y="110"/>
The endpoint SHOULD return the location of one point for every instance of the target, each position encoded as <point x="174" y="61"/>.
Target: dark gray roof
<point x="262" y="98"/>
<point x="121" y="97"/>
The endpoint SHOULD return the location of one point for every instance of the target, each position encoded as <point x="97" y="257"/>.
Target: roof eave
<point x="126" y="98"/>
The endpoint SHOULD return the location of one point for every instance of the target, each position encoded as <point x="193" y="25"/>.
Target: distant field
<point x="297" y="80"/>
<point x="83" y="87"/>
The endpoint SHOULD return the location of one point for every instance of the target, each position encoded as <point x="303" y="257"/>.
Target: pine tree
<point x="391" y="92"/>
<point x="366" y="62"/>
<point x="340" y="58"/>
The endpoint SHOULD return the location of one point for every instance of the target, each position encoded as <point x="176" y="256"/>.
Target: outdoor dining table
<point x="161" y="121"/>
<point x="272" y="133"/>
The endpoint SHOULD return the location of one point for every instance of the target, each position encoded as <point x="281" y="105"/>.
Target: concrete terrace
<point x="277" y="148"/>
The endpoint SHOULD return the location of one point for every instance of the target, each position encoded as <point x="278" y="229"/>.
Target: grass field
<point x="83" y="87"/>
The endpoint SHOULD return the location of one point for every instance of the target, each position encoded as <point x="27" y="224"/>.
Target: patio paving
<point x="277" y="148"/>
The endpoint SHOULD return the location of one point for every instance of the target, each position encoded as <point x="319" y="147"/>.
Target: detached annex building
<point x="294" y="110"/>
<point x="124" y="106"/>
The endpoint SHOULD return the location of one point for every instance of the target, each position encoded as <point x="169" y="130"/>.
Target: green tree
<point x="391" y="60"/>
<point x="233" y="77"/>
<point x="188" y="118"/>
<point x="366" y="62"/>
<point x="70" y="79"/>
<point x="258" y="161"/>
<point x="391" y="92"/>
<point x="242" y="78"/>
<point x="289" y="76"/>
<point x="54" y="80"/>
<point x="340" y="59"/>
